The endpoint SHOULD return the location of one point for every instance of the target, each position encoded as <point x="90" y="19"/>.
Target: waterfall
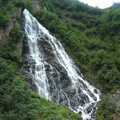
<point x="54" y="73"/>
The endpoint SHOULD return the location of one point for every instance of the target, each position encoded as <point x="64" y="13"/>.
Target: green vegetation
<point x="9" y="50"/>
<point x="90" y="35"/>
<point x="106" y="108"/>
<point x="115" y="5"/>
<point x="8" y="7"/>
<point x="17" y="100"/>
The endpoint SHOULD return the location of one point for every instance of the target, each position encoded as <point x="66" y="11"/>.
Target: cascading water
<point x="54" y="73"/>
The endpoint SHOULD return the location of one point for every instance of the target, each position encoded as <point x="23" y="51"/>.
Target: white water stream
<point x="55" y="74"/>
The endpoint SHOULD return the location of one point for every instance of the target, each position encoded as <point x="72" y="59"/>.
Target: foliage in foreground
<point x="106" y="109"/>
<point x="18" y="102"/>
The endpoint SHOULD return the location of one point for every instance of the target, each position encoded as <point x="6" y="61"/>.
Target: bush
<point x="24" y="4"/>
<point x="106" y="108"/>
<point x="4" y="20"/>
<point x="15" y="35"/>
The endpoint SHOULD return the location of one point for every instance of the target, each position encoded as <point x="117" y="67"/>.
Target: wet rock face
<point x="56" y="73"/>
<point x="52" y="73"/>
<point x="29" y="63"/>
<point x="26" y="49"/>
<point x="59" y="82"/>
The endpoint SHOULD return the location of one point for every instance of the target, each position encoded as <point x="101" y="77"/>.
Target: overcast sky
<point x="99" y="3"/>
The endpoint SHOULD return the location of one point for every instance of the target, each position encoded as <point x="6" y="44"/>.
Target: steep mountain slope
<point x="17" y="100"/>
<point x="115" y="5"/>
<point x="90" y="35"/>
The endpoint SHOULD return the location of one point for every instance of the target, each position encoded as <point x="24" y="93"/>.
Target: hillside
<point x="17" y="100"/>
<point x="90" y="35"/>
<point x="115" y="5"/>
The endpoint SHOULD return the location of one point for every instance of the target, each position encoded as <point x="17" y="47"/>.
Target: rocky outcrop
<point x="38" y="5"/>
<point x="116" y="98"/>
<point x="115" y="116"/>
